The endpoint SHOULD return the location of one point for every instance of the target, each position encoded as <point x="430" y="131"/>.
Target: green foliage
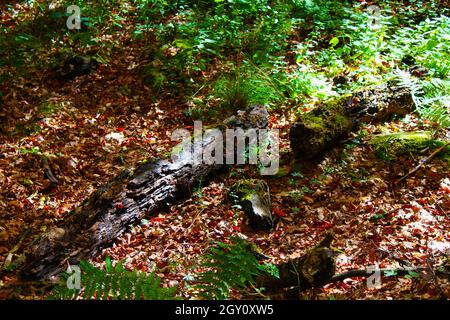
<point x="390" y="273"/>
<point x="48" y="108"/>
<point x="24" y="45"/>
<point x="114" y="283"/>
<point x="321" y="14"/>
<point x="32" y="150"/>
<point x="288" y="52"/>
<point x="417" y="10"/>
<point x="204" y="30"/>
<point x="236" y="90"/>
<point x="435" y="103"/>
<point x="230" y="266"/>
<point x="233" y="91"/>
<point x="431" y="97"/>
<point x="428" y="43"/>
<point x="304" y="84"/>
<point x="246" y="86"/>
<point x="412" y="274"/>
<point x="364" y="53"/>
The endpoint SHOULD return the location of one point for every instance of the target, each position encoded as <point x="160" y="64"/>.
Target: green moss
<point x="342" y="121"/>
<point x="321" y="127"/>
<point x="315" y="123"/>
<point x="246" y="189"/>
<point x="390" y="146"/>
<point x="415" y="137"/>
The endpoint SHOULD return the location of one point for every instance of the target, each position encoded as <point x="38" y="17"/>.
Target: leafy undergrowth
<point x="92" y="128"/>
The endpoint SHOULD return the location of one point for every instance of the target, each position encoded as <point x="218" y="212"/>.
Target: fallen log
<point x="133" y="194"/>
<point x="326" y="125"/>
<point x="390" y="146"/>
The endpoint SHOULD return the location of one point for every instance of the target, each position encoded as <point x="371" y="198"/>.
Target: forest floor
<point x="102" y="130"/>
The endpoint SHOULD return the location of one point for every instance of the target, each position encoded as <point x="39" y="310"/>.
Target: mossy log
<point x="135" y="193"/>
<point x="390" y="146"/>
<point x="318" y="130"/>
<point x="326" y="125"/>
<point x="254" y="198"/>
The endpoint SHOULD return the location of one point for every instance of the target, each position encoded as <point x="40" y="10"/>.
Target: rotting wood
<point x="133" y="194"/>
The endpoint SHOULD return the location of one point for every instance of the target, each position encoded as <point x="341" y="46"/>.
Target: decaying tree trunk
<point x="325" y="126"/>
<point x="133" y="194"/>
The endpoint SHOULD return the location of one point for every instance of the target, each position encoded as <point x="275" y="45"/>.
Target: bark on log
<point x="325" y="126"/>
<point x="133" y="194"/>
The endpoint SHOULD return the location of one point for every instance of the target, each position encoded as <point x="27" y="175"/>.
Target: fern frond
<point x="431" y="97"/>
<point x="229" y="266"/>
<point x="113" y="283"/>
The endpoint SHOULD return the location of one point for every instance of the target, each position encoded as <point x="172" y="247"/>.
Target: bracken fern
<point x="115" y="283"/>
<point x="230" y="266"/>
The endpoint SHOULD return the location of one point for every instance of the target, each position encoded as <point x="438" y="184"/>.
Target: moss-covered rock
<point x="254" y="198"/>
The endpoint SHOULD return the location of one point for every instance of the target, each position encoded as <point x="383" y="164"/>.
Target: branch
<point x="394" y="271"/>
<point x="431" y="156"/>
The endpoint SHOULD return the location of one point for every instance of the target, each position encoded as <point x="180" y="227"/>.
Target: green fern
<point x="115" y="283"/>
<point x="435" y="104"/>
<point x="230" y="266"/>
<point x="431" y="97"/>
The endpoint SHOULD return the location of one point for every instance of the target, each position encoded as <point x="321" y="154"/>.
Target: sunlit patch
<point x="440" y="246"/>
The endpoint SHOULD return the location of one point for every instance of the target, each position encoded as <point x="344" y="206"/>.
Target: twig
<point x="21" y="239"/>
<point x="432" y="272"/>
<point x="394" y="271"/>
<point x="403" y="263"/>
<point x="431" y="156"/>
<point x="368" y="273"/>
<point x="48" y="171"/>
